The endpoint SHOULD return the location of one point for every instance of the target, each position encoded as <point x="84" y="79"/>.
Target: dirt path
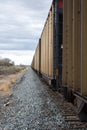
<point x="32" y="106"/>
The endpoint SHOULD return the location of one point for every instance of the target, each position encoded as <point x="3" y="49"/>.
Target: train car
<point x="47" y="47"/>
<point x="62" y="51"/>
<point x="51" y="46"/>
<point x="74" y="69"/>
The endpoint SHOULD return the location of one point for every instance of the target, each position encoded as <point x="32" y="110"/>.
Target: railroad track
<point x="68" y="111"/>
<point x="71" y="117"/>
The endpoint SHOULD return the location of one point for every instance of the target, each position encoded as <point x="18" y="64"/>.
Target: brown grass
<point x="6" y="86"/>
<point x="8" y="82"/>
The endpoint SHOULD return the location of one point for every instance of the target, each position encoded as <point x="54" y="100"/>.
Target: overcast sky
<point x="21" y="24"/>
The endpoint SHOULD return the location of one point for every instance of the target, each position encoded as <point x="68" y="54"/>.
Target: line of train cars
<point x="61" y="55"/>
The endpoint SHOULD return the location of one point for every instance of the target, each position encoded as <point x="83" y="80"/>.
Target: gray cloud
<point x="21" y="23"/>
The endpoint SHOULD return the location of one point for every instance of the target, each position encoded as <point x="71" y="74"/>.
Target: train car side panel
<point x="84" y="48"/>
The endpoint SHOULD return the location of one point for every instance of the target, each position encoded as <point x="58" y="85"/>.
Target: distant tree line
<point x="6" y="62"/>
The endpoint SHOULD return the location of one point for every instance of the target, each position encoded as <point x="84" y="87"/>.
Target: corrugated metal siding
<point x="84" y="47"/>
<point x="64" y="59"/>
<point x="47" y="46"/>
<point x="75" y="46"/>
<point x="69" y="42"/>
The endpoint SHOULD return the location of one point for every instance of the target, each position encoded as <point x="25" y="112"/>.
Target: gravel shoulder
<point x="32" y="105"/>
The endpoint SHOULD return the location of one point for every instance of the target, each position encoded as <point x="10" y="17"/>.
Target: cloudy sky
<point x="21" y="24"/>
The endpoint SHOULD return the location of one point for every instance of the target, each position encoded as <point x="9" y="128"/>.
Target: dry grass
<point x="7" y="70"/>
<point x="7" y="84"/>
<point x="7" y="81"/>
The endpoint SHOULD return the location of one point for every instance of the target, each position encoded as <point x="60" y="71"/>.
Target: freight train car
<point x="51" y="46"/>
<point x="74" y="76"/>
<point x="62" y="51"/>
